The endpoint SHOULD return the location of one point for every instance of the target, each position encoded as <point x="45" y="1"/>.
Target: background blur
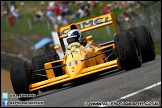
<point x="24" y="23"/>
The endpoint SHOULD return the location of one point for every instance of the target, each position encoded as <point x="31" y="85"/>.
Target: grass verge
<point x="158" y="48"/>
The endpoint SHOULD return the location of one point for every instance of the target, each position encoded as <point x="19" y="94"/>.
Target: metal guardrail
<point x="14" y="55"/>
<point x="7" y="59"/>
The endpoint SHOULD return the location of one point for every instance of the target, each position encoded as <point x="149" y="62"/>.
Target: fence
<point x="150" y="17"/>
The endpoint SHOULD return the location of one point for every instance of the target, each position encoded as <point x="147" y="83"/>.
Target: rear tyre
<point x="21" y="78"/>
<point x="145" y="43"/>
<point x="128" y="51"/>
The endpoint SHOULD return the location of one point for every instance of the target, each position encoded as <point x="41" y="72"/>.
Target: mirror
<point x="56" y="47"/>
<point x="88" y="38"/>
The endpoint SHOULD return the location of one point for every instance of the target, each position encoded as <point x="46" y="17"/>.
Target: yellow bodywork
<point x="75" y="59"/>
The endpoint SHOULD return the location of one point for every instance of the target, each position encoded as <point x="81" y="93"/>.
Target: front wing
<point x="65" y="78"/>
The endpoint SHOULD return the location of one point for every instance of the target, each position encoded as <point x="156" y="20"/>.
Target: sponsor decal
<point x="88" y="23"/>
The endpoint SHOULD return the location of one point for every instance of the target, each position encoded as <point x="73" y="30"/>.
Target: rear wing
<point x="90" y="24"/>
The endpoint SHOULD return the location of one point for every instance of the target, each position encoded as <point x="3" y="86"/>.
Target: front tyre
<point x="21" y="78"/>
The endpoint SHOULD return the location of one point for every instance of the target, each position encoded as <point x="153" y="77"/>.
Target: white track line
<point x="139" y="91"/>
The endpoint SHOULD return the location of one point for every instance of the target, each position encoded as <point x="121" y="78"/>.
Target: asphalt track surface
<point x="138" y="85"/>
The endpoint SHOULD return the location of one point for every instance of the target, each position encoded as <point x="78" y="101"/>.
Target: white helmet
<point x="74" y="36"/>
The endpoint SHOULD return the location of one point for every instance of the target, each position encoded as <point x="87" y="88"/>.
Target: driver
<point x="74" y="35"/>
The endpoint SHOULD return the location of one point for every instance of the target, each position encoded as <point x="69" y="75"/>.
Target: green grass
<point x="158" y="48"/>
<point x="27" y="12"/>
<point x="22" y="28"/>
<point x="102" y="34"/>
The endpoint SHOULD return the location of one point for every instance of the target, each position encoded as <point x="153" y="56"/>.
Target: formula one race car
<point x="73" y="59"/>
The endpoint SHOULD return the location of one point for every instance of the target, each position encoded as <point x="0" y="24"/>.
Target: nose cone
<point x="73" y="61"/>
<point x="74" y="67"/>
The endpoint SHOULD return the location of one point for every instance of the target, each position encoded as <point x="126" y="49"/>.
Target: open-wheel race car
<point x="73" y="59"/>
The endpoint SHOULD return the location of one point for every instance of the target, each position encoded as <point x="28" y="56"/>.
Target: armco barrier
<point x="7" y="59"/>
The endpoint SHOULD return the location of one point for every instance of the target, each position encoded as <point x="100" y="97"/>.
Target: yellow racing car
<point x="78" y="57"/>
